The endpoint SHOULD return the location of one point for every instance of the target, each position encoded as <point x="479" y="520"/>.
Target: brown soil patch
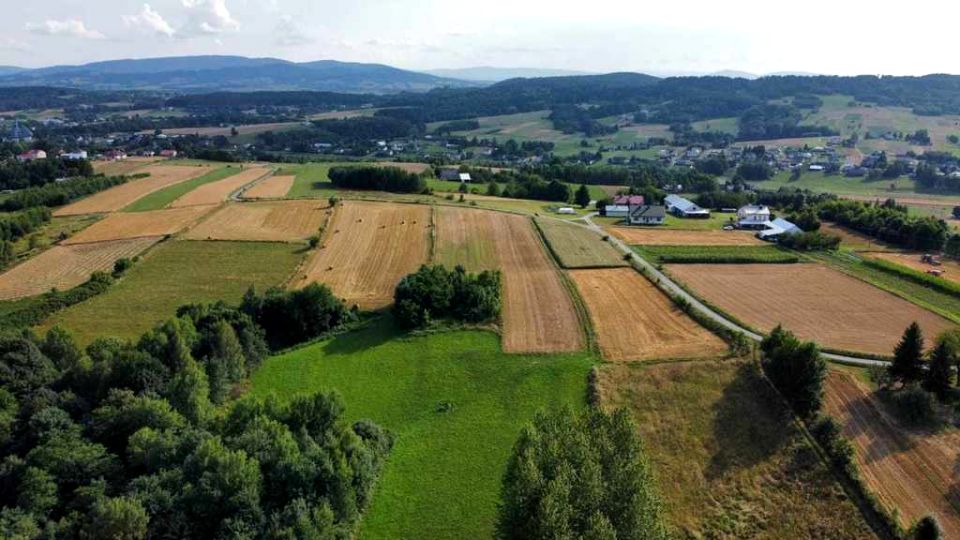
<point x="367" y="249"/>
<point x="124" y="225"/>
<point x="127" y="166"/>
<point x="118" y="197"/>
<point x="916" y="474"/>
<point x="268" y="221"/>
<point x="217" y="192"/>
<point x="912" y="260"/>
<point x="635" y="321"/>
<point x="65" y="267"/>
<point x="813" y="301"/>
<point x="275" y="187"/>
<point x="671" y="237"/>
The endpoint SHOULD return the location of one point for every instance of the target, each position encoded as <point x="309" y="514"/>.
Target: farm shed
<point x="684" y="208"/>
<point x="777" y="228"/>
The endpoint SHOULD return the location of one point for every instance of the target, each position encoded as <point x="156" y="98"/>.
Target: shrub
<point x="916" y="406"/>
<point x="291" y="317"/>
<point x="433" y="293"/>
<point x="796" y="369"/>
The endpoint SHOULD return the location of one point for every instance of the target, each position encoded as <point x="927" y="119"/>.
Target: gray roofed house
<point x="647" y="215"/>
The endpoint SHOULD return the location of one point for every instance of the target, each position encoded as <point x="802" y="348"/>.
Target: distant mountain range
<point x="496" y="74"/>
<point x="230" y="73"/>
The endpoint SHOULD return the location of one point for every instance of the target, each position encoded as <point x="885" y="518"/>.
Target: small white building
<point x="777" y="228"/>
<point x="74" y="156"/>
<point x="753" y="217"/>
<point x="566" y="210"/>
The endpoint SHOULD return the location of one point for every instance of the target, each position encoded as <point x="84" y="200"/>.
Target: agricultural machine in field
<point x="936" y="273"/>
<point x="930" y="259"/>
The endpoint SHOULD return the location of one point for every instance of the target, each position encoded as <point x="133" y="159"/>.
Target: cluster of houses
<point x="635" y="211"/>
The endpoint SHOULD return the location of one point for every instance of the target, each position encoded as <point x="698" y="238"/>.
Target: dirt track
<point x="267" y="221"/>
<point x="116" y="198"/>
<point x="914" y="473"/>
<point x="813" y="301"/>
<point x="123" y="225"/>
<point x="672" y="237"/>
<point x="217" y="192"/>
<point x="635" y="321"/>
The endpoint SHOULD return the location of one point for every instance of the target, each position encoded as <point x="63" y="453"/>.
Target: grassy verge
<point x="456" y="404"/>
<point x="162" y="198"/>
<point x="173" y="274"/>
<point x="716" y="254"/>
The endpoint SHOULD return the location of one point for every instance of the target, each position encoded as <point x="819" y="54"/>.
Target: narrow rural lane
<point x="670" y="286"/>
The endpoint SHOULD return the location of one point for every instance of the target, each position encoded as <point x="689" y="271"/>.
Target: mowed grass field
<point x="456" y="405"/>
<point x="176" y="273"/>
<point x="578" y="247"/>
<point x="164" y="197"/>
<point x="635" y="321"/>
<point x="912" y="472"/>
<point x="729" y="461"/>
<point x="815" y="302"/>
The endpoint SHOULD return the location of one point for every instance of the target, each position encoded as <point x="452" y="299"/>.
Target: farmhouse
<point x="31" y="155"/>
<point x="168" y="153"/>
<point x="777" y="228"/>
<point x="684" y="208"/>
<point x="647" y="215"/>
<point x="753" y="217"/>
<point x="622" y="204"/>
<point x="455" y="175"/>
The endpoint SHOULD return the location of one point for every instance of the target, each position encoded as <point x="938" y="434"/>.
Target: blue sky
<point x="837" y="37"/>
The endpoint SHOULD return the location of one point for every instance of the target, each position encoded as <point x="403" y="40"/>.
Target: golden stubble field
<point x="117" y="198"/>
<point x="125" y="225"/>
<point x="217" y="192"/>
<point x="265" y="221"/>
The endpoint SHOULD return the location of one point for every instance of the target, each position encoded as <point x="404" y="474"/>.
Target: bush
<point x="292" y="317"/>
<point x="810" y="241"/>
<point x="916" y="406"/>
<point x="433" y="293"/>
<point x="796" y="369"/>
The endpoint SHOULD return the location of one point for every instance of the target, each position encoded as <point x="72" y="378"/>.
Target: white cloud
<point x="208" y="17"/>
<point x="289" y="34"/>
<point x="10" y="44"/>
<point x="71" y="27"/>
<point x="150" y="20"/>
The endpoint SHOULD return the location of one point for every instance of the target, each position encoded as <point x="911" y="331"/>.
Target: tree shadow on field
<point x="750" y="424"/>
<point x="373" y="334"/>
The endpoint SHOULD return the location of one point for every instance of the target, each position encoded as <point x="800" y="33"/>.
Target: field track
<point x="671" y="237"/>
<point x="217" y="192"/>
<point x="65" y="267"/>
<point x="813" y="301"/>
<point x="915" y="474"/>
<point x="267" y="221"/>
<point x="127" y="166"/>
<point x="275" y="187"/>
<point x="116" y="198"/>
<point x="123" y="225"/>
<point x="367" y="248"/>
<point x="635" y="321"/>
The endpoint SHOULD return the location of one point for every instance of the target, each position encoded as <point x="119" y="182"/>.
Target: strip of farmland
<point x="268" y="221"/>
<point x="65" y="267"/>
<point x="579" y="247"/>
<point x="671" y="237"/>
<point x="635" y="321"/>
<point x="118" y="197"/>
<point x="367" y="249"/>
<point x="275" y="187"/>
<point x="217" y="192"/>
<point x="813" y="301"/>
<point x="466" y="237"/>
<point x="126" y="166"/>
<point x="140" y="224"/>
<point x="916" y="474"/>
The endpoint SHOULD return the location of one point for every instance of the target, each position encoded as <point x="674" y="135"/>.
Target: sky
<point x="844" y="37"/>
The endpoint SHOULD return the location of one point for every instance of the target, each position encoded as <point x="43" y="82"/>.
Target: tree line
<point x="61" y="193"/>
<point x="19" y="175"/>
<point x="391" y="179"/>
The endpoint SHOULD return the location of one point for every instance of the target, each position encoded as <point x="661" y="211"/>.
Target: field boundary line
<point x="310" y="253"/>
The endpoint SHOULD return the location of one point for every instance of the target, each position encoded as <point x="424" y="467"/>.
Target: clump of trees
<point x="888" y="222"/>
<point x="436" y="293"/>
<point x="582" y="475"/>
<point x="796" y="369"/>
<point x="924" y="378"/>
<point x="17" y="175"/>
<point x="291" y="317"/>
<point x="810" y="241"/>
<point x="122" y="440"/>
<point x="391" y="179"/>
<point x="17" y="225"/>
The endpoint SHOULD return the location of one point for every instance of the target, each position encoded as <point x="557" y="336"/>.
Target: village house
<point x="31" y="155"/>
<point x="74" y="156"/>
<point x="454" y="175"/>
<point x="753" y="217"/>
<point x="684" y="208"/>
<point x="647" y="215"/>
<point x="621" y="205"/>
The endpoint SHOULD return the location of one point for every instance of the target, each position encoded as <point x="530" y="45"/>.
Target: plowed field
<point x="118" y="197"/>
<point x="635" y="321"/>
<point x="268" y="221"/>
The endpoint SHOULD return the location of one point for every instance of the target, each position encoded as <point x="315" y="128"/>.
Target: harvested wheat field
<point x="127" y="166"/>
<point x="538" y="314"/>
<point x="813" y="301"/>
<point x="578" y="247"/>
<point x="65" y="267"/>
<point x="367" y="248"/>
<point x="123" y="225"/>
<point x="465" y="237"/>
<point x="917" y="474"/>
<point x="118" y="197"/>
<point x="217" y="192"/>
<point x="267" y="221"/>
<point x="275" y="187"/>
<point x="951" y="269"/>
<point x="670" y="237"/>
<point x="635" y="321"/>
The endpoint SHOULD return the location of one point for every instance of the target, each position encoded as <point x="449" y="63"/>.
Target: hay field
<point x="118" y="197"/>
<point x="217" y="192"/>
<point x="671" y="237"/>
<point x="127" y="166"/>
<point x="65" y="267"/>
<point x="578" y="247"/>
<point x="275" y="187"/>
<point x="915" y="473"/>
<point x="912" y="260"/>
<point x="466" y="237"/>
<point x="636" y="321"/>
<point x="140" y="224"/>
<point x="727" y="463"/>
<point x="267" y="221"/>
<point x="813" y="301"/>
<point x="367" y="248"/>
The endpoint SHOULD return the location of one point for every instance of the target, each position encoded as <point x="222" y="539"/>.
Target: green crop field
<point x="716" y="254"/>
<point x="176" y="273"/>
<point x="730" y="465"/>
<point x="578" y="247"/>
<point x="162" y="198"/>
<point x="456" y="405"/>
<point x="842" y="185"/>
